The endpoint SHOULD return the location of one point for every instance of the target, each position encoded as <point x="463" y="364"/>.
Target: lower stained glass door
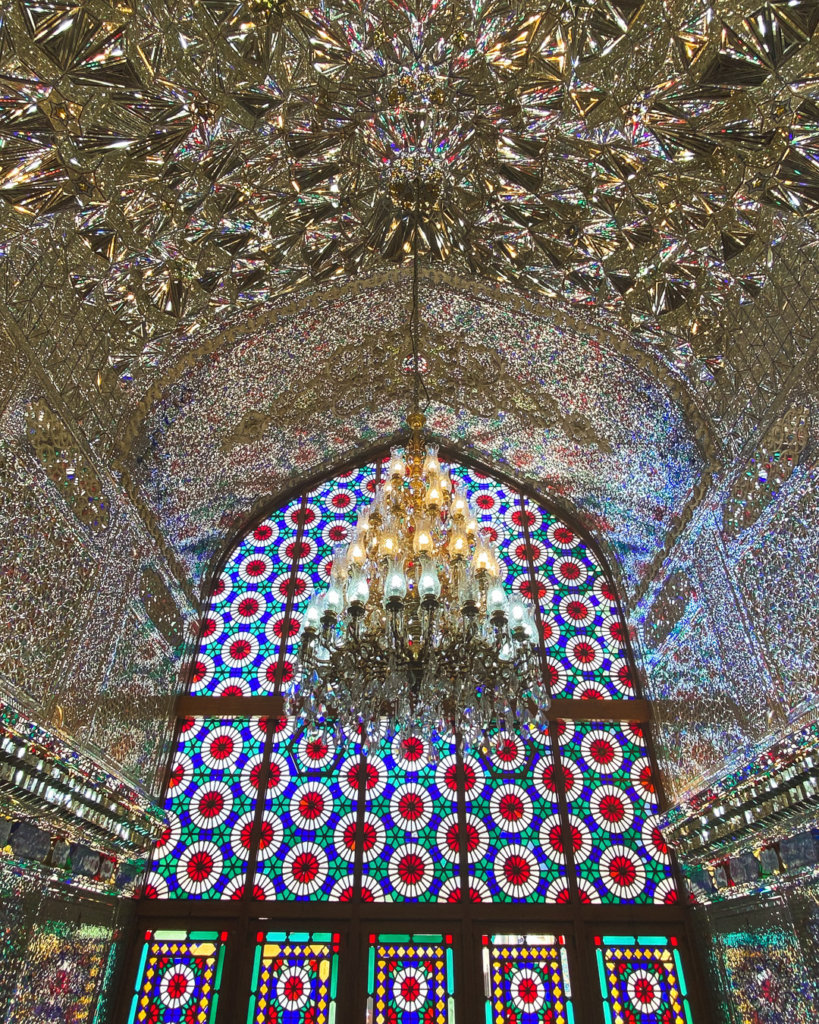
<point x="526" y="979"/>
<point x="295" y="978"/>
<point x="410" y="978"/>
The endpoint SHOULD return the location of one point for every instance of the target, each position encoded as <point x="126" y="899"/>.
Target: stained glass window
<point x="178" y="978"/>
<point x="410" y="978"/>
<point x="241" y="634"/>
<point x="411" y="840"/>
<point x="642" y="980"/>
<point x="295" y="978"/>
<point x="619" y="850"/>
<point x="413" y="821"/>
<point x="526" y="979"/>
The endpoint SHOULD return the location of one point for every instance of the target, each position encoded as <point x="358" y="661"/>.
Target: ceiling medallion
<point x="416" y="629"/>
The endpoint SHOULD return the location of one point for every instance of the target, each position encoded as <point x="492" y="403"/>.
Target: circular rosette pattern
<point x="304" y="869"/>
<point x="622" y="872"/>
<point x="411" y="870"/>
<point x="517" y="871"/>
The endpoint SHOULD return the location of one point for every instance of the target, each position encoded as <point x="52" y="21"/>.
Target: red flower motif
<point x="293" y="987"/>
<point x="410" y="988"/>
<point x="311" y="805"/>
<point x="602" y="751"/>
<point x="527" y="990"/>
<point x="556" y="838"/>
<point x="583" y="652"/>
<point x="473" y="837"/>
<point x="506" y="751"/>
<point x="177" y="986"/>
<point x="517" y="870"/>
<point x="305" y="866"/>
<point x="612" y="808"/>
<point x="412" y="748"/>
<point x="316" y="749"/>
<point x="200" y="866"/>
<point x="511" y="807"/>
<point x="411" y="869"/>
<point x="221" y="747"/>
<point x="240" y="649"/>
<point x="411" y="806"/>
<point x="211" y="804"/>
<point x="248" y="606"/>
<point x="266" y="835"/>
<point x="622" y="871"/>
<point x="643" y="990"/>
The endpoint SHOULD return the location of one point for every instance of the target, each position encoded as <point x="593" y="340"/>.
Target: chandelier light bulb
<point x="429" y="583"/>
<point x="469" y="594"/>
<point x="432" y="467"/>
<point x="362" y="526"/>
<point x="422" y="540"/>
<point x="398" y="466"/>
<point x="358" y="590"/>
<point x="518" y="619"/>
<point x="388" y="541"/>
<point x="459" y="508"/>
<point x="496" y="602"/>
<point x="333" y="601"/>
<point x="313" y="613"/>
<point x="356" y="553"/>
<point x="395" y="584"/>
<point x="482" y="559"/>
<point x="435" y="496"/>
<point x="458" y="546"/>
<point x="339" y="570"/>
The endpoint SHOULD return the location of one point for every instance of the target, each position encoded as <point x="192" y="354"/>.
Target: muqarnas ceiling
<point x="551" y="399"/>
<point x="636" y="155"/>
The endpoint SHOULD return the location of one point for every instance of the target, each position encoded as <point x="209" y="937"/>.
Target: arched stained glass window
<point x="262" y="811"/>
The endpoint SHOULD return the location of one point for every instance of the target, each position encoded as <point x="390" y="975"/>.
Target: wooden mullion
<point x="578" y="709"/>
<point x="264" y="773"/>
<point x="557" y="768"/>
<point x="229" y="706"/>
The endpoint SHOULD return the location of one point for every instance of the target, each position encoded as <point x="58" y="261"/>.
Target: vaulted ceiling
<point x="558" y="400"/>
<point x="206" y="212"/>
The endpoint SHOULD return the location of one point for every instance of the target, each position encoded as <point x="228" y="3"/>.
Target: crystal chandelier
<point x="416" y="630"/>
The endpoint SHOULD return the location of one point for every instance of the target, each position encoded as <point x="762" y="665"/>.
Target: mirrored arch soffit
<point x="563" y="404"/>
